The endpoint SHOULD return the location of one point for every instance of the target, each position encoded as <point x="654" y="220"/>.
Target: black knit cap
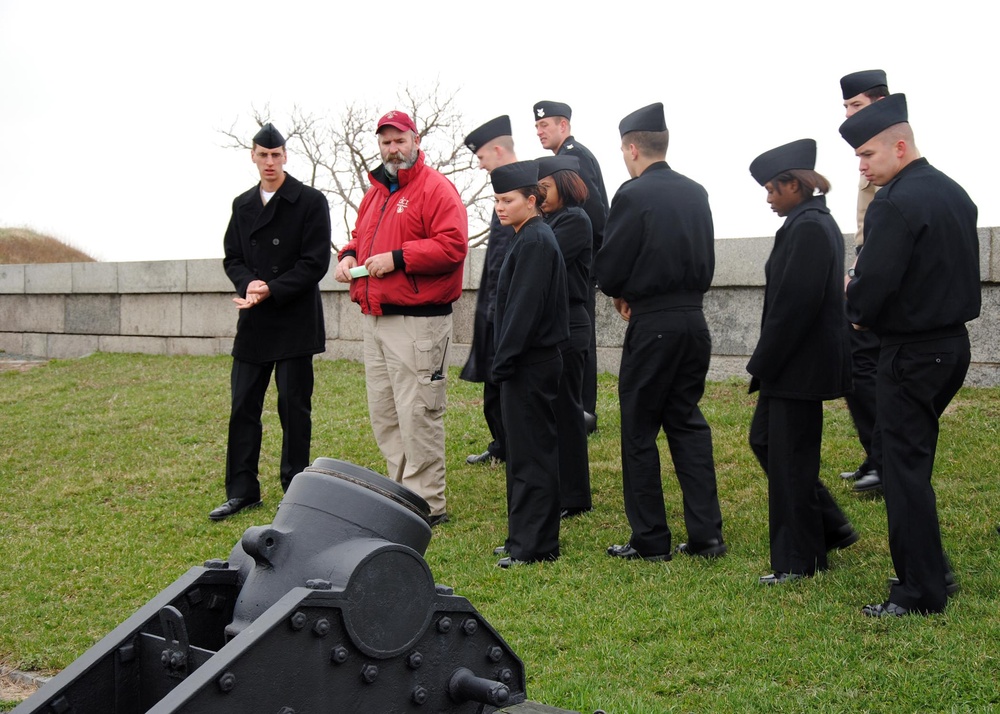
<point x="874" y="119"/>
<point x="486" y="133"/>
<point x="648" y="118"/>
<point x="800" y="154"/>
<point x="545" y="109"/>
<point x="855" y="83"/>
<point x="548" y="165"/>
<point x="269" y="137"/>
<point x="513" y="176"/>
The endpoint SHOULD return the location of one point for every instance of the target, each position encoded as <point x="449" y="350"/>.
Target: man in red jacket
<point x="404" y="263"/>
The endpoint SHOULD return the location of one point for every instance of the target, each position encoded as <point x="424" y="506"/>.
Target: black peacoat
<point x="803" y="351"/>
<point x="287" y="245"/>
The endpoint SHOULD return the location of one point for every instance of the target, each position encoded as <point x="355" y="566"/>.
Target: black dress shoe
<point x="627" y="552"/>
<point x="590" y="422"/>
<point x="714" y="548"/>
<point x="501" y="550"/>
<point x="484" y="458"/>
<point x="885" y="609"/>
<point x="871" y="482"/>
<point x="437" y="519"/>
<point x="780" y="578"/>
<point x="951" y="587"/>
<point x="854" y="475"/>
<point x="572" y="512"/>
<point x="232" y="507"/>
<point x="845" y="537"/>
<point x="510" y="561"/>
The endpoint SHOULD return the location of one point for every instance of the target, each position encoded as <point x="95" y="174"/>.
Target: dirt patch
<point x="15" y="690"/>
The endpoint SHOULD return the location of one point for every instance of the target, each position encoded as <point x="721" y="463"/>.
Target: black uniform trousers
<point x="491" y="406"/>
<point x="861" y="401"/>
<point x="528" y="400"/>
<point x="294" y="379"/>
<point x="660" y="382"/>
<point x="493" y="413"/>
<point x="574" y="461"/>
<point x="589" y="393"/>
<point x="804" y="520"/>
<point x="916" y="381"/>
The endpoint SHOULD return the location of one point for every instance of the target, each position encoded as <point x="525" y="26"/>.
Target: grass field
<point x="110" y="464"/>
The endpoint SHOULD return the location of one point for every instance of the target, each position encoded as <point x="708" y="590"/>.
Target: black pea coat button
<point x="274" y="269"/>
<point x="276" y="241"/>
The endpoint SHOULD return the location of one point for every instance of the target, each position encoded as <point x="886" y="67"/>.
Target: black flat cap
<point x="799" y="154"/>
<point x="648" y="118"/>
<point x="486" y="133"/>
<point x="548" y="165"/>
<point x="512" y="176"/>
<point x="855" y="83"/>
<point x="269" y="137"/>
<point x="874" y="119"/>
<point x="545" y="108"/>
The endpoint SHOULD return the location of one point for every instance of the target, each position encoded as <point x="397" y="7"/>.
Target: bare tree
<point x="339" y="152"/>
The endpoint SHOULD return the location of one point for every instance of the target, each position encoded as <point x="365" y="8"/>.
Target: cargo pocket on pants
<point x="433" y="384"/>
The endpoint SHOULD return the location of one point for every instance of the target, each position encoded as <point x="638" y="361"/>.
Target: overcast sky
<point x="111" y="110"/>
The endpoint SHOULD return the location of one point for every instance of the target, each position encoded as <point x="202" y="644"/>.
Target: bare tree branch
<point x="339" y="152"/>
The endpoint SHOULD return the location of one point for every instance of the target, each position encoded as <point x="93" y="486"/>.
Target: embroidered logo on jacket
<point x="401" y="206"/>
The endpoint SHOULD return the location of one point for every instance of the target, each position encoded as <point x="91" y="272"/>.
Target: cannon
<point x="331" y="608"/>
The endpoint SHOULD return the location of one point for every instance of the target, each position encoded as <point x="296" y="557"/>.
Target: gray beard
<point x="392" y="168"/>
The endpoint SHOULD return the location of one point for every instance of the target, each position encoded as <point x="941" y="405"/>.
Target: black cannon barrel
<point x="328" y="512"/>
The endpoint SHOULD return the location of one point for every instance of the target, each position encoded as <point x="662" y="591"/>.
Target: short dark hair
<point x="572" y="190"/>
<point x="649" y="143"/>
<point x="810" y="182"/>
<point x="877" y="92"/>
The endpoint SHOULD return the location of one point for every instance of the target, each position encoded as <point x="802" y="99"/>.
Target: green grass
<point x="110" y="464"/>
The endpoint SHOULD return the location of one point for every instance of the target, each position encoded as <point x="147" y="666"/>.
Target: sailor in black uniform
<point x="657" y="263"/>
<point x="532" y="326"/>
<point x="801" y="359"/>
<point x="915" y="284"/>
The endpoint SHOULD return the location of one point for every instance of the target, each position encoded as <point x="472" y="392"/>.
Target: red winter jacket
<point x="425" y="226"/>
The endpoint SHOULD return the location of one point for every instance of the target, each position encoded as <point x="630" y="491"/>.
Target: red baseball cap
<point x="398" y="120"/>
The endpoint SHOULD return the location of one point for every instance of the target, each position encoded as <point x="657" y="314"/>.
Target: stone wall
<point x="69" y="310"/>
